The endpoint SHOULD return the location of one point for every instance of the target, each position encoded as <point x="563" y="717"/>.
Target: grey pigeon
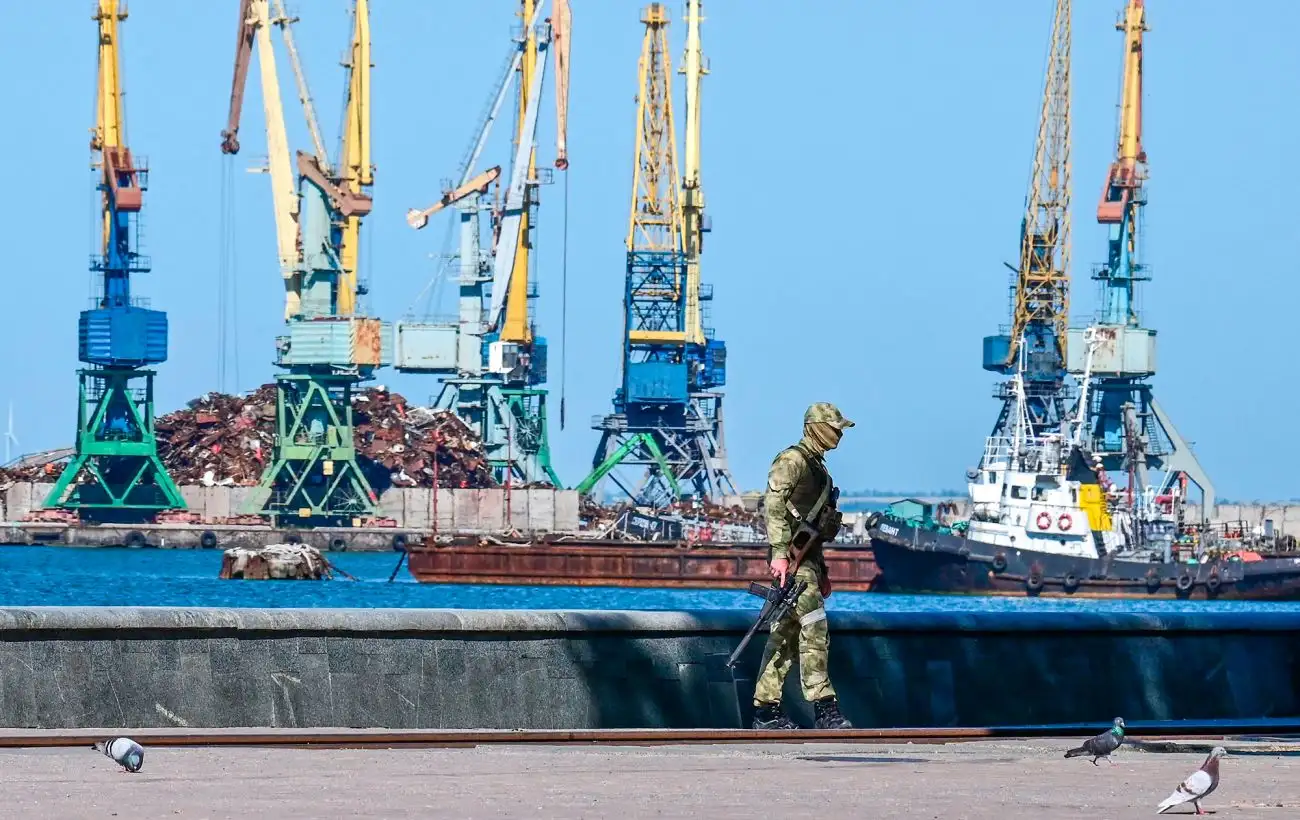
<point x="1101" y="745"/>
<point x="1198" y="784"/>
<point x="124" y="751"/>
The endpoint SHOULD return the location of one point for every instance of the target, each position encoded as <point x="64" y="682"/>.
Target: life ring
<point x="1184" y="582"/>
<point x="208" y="540"/>
<point x="1034" y="582"/>
<point x="338" y="544"/>
<point x="399" y="542"/>
<point x="1000" y="562"/>
<point x="1212" y="583"/>
<point x="136" y="539"/>
<point x="1044" y="520"/>
<point x="1065" y="522"/>
<point x="1071" y="582"/>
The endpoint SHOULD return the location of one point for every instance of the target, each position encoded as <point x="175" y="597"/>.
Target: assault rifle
<point x="777" y="601"/>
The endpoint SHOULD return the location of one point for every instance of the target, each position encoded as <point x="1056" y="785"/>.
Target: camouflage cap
<point x="827" y="412"/>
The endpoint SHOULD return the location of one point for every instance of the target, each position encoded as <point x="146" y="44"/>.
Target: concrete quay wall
<point x="69" y="667"/>
<point x="453" y="510"/>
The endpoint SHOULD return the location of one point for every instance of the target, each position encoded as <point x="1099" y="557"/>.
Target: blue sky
<point x="865" y="166"/>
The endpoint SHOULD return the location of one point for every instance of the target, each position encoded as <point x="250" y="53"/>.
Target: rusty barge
<point x="617" y="563"/>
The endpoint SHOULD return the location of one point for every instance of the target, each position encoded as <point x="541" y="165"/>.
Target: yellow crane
<point x="692" y="197"/>
<point x="348" y="188"/>
<point x="255" y="24"/>
<point x="667" y="418"/>
<point x="356" y="174"/>
<point x="327" y="350"/>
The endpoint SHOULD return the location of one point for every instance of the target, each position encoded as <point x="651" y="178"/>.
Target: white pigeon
<point x="124" y="751"/>
<point x="1198" y="784"/>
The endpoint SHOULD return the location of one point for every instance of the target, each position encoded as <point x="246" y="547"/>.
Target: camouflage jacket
<point x="797" y="475"/>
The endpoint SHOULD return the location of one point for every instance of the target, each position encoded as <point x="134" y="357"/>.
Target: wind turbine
<point x="9" y="435"/>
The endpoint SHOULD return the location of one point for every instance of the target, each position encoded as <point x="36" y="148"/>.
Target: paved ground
<point x="984" y="780"/>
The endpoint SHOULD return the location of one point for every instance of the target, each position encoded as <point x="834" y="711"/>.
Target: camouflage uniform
<point x="798" y="476"/>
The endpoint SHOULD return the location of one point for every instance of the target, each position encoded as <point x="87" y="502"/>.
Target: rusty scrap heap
<point x="224" y="439"/>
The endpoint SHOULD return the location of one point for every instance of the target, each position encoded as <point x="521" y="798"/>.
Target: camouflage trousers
<point x="801" y="632"/>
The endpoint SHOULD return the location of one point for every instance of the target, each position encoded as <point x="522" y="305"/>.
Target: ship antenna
<point x="1022" y="409"/>
<point x="1090" y="339"/>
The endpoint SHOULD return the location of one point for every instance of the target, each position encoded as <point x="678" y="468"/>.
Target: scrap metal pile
<point x="227" y="440"/>
<point x="686" y="521"/>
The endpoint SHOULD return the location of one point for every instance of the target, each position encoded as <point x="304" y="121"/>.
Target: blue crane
<point x="115" y="472"/>
<point x="667" y="421"/>
<point x="1127" y="428"/>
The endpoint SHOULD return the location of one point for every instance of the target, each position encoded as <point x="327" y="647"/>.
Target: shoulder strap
<point x="822" y="497"/>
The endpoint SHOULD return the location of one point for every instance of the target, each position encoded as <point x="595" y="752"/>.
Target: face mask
<point x="826" y="436"/>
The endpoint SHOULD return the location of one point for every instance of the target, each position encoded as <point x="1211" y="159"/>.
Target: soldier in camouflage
<point x="799" y="479"/>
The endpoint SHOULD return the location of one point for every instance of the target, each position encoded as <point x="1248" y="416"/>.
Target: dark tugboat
<point x="1044" y="520"/>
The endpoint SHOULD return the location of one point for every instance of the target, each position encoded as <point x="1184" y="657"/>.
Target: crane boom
<point x="1121" y="177"/>
<point x="244" y="35"/>
<point x="254" y="22"/>
<point x="516" y="328"/>
<point x="1042" y="295"/>
<point x="283" y="20"/>
<point x="692" y="201"/>
<point x="355" y="171"/>
<point x="561" y="24"/>
<point x="419" y="218"/>
<point x="510" y="265"/>
<point x="655" y="218"/>
<point x="109" y="124"/>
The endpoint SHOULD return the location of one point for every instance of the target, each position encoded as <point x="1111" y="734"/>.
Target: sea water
<point x="70" y="576"/>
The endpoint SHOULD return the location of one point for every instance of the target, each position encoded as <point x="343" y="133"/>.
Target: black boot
<point x="770" y="716"/>
<point x="828" y="714"/>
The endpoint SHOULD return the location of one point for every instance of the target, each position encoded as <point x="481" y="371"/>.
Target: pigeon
<point x="125" y="751"/>
<point x="1198" y="784"/>
<point x="1101" y="745"/>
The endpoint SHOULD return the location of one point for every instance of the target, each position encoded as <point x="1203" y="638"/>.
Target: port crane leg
<point x="1184" y="460"/>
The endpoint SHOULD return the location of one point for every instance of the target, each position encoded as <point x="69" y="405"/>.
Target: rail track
<point x="1156" y="737"/>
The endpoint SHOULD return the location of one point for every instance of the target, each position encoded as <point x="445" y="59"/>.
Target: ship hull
<point x="921" y="561"/>
<point x="622" y="564"/>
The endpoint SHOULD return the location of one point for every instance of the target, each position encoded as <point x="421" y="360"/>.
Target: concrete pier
<point x="449" y="510"/>
<point x="156" y="667"/>
<point x="415" y="512"/>
<point x="990" y="780"/>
